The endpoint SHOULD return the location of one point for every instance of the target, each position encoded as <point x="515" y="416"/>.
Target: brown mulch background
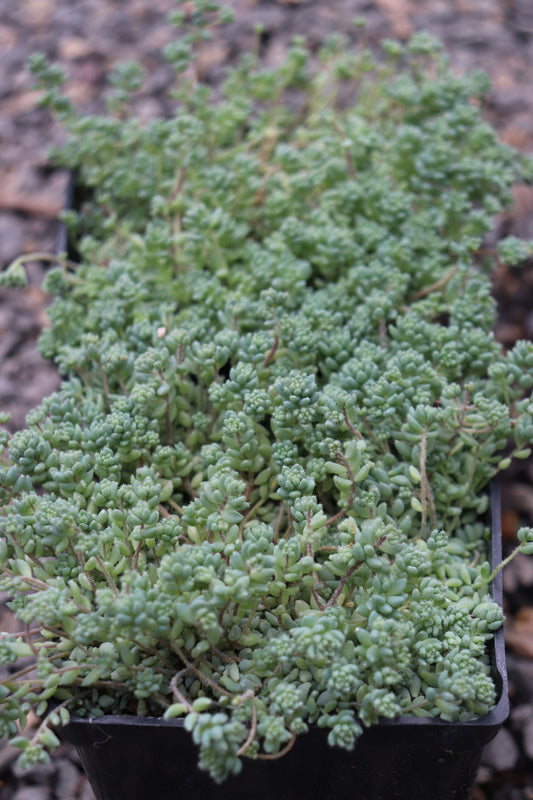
<point x="89" y="37"/>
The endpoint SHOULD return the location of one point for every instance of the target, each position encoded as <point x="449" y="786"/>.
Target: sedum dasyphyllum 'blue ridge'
<point x="259" y="498"/>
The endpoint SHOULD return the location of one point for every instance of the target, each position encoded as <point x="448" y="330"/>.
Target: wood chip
<point x="519" y="632"/>
<point x="211" y="56"/>
<point x="73" y="47"/>
<point x="38" y="12"/>
<point x="8" y="36"/>
<point x="521" y="495"/>
<point x="34" y="205"/>
<point x="20" y="103"/>
<point x="398" y="12"/>
<point x="510" y="523"/>
<point x="521" y="212"/>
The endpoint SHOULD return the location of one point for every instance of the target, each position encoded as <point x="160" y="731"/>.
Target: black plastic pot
<point x="411" y="758"/>
<point x="75" y="195"/>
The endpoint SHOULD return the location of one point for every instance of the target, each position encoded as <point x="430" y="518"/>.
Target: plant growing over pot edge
<point x="258" y="498"/>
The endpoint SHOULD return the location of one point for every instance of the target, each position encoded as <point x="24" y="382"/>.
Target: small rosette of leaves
<point x="258" y="498"/>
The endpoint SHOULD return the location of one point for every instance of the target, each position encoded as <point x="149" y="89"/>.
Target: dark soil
<point x="89" y="37"/>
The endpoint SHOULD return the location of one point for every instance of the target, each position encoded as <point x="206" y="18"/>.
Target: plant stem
<point x="273" y="756"/>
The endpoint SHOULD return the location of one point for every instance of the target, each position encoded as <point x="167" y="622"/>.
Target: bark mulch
<point x="89" y="37"/>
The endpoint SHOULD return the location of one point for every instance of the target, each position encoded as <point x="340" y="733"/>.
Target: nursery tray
<point x="409" y="758"/>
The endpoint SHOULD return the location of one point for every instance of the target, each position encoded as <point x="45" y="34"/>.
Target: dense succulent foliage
<point x="258" y="499"/>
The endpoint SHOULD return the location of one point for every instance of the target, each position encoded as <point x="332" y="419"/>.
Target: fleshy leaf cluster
<point x="258" y="500"/>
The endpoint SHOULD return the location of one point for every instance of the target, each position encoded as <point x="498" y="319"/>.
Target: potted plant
<point x="257" y="507"/>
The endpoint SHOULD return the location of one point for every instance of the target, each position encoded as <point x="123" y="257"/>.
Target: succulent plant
<point x="259" y="498"/>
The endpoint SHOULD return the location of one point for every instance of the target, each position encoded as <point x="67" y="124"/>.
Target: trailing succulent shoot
<point x="258" y="499"/>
